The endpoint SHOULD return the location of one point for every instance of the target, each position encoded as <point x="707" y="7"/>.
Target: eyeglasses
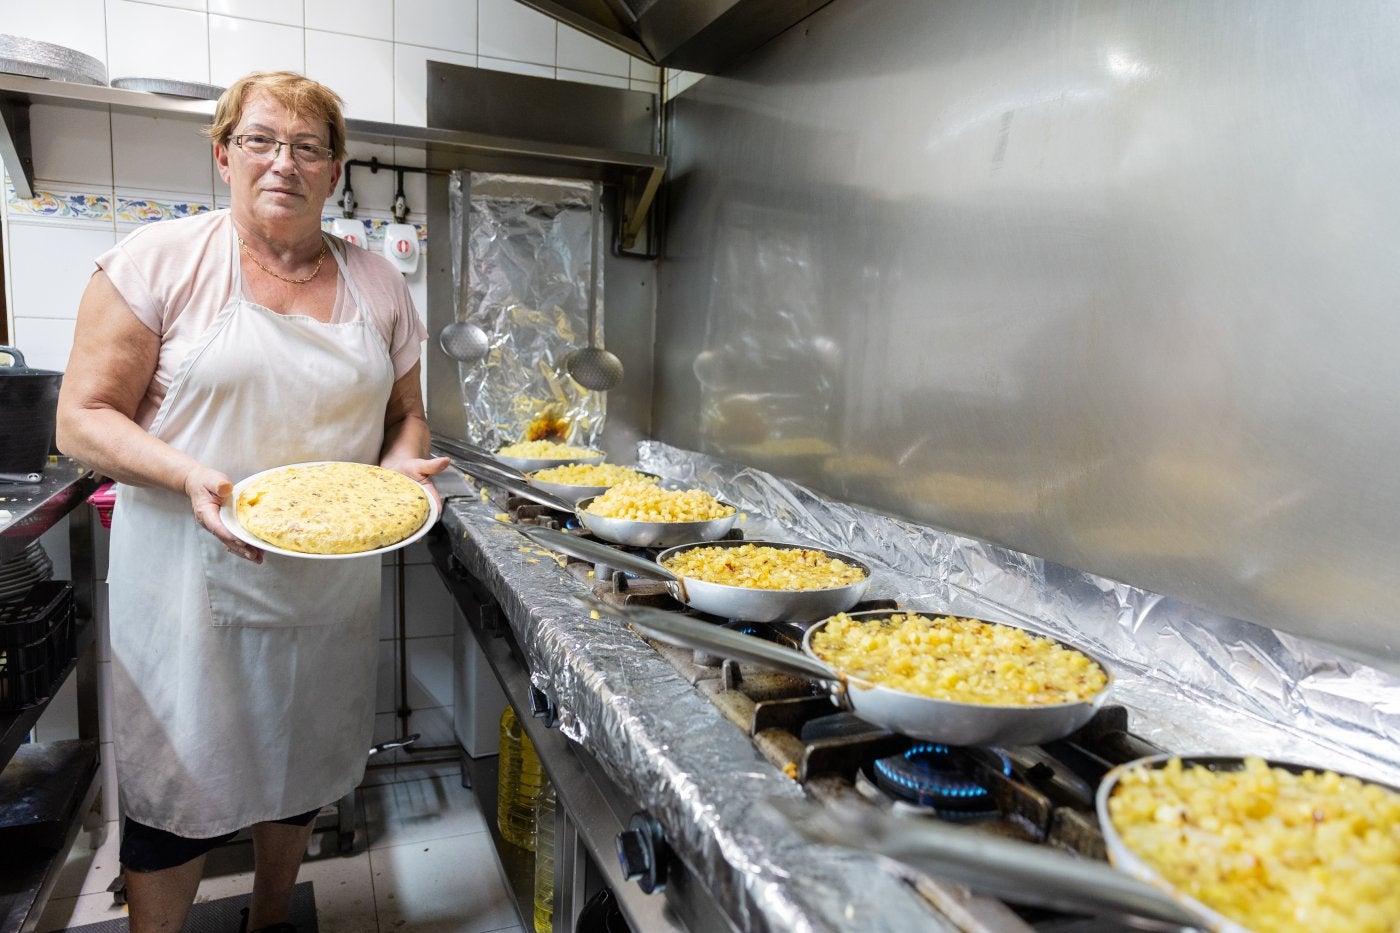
<point x="266" y="147"/>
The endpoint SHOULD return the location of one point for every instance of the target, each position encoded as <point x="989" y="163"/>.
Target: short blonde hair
<point x="297" y="93"/>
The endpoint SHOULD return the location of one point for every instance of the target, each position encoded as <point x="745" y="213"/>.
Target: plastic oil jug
<point x="517" y="784"/>
<point x="544" y="859"/>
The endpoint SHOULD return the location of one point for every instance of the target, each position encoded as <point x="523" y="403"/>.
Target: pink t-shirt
<point x="177" y="275"/>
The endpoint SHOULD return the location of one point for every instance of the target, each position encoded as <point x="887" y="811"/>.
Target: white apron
<point x="245" y="692"/>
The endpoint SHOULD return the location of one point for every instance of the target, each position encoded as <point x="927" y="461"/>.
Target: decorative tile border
<point x="150" y="210"/>
<point x="59" y="206"/>
<point x="135" y="210"/>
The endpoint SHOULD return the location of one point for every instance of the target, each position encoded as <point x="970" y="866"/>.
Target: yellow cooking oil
<point x="518" y="783"/>
<point x="544" y="859"/>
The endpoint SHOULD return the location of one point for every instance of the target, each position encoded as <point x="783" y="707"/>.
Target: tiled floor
<point x="422" y="862"/>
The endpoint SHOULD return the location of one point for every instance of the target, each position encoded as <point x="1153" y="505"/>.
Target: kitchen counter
<point x="673" y="753"/>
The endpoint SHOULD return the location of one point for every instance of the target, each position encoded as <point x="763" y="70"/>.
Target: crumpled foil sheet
<point x="1193" y="683"/>
<point x="675" y="755"/>
<point x="1269" y="693"/>
<point x="523" y="279"/>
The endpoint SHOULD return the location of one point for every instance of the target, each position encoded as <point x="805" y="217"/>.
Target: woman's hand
<point x="420" y="470"/>
<point x="208" y="489"/>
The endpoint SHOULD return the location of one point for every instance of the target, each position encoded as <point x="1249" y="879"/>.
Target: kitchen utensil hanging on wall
<point x="593" y="367"/>
<point x="464" y="341"/>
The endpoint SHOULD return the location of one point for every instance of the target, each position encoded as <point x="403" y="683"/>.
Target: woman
<point x="207" y="349"/>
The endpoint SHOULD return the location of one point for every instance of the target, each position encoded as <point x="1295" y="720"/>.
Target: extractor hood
<point x="691" y="35"/>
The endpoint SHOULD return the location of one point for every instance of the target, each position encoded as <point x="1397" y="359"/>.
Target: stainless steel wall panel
<point x="1107" y="283"/>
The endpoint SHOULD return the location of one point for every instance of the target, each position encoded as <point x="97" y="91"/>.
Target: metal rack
<point x="70" y="767"/>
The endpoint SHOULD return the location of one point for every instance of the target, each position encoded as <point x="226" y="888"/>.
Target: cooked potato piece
<point x="1268" y="848"/>
<point x="761" y="567"/>
<point x="590" y="474"/>
<point x="957" y="659"/>
<point x="648" y="502"/>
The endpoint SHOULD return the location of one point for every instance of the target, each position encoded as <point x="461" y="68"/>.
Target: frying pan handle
<point x="498" y="476"/>
<point x="474" y="454"/>
<point x="1017" y="871"/>
<point x="595" y="553"/>
<point x="692" y="633"/>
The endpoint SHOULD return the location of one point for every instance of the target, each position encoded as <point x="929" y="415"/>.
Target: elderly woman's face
<point x="277" y="164"/>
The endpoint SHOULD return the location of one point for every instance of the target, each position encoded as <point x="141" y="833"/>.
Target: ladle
<point x="464" y="342"/>
<point x="593" y="367"/>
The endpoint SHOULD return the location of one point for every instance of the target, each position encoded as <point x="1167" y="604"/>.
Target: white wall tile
<point x="430" y="671"/>
<point x="111" y="807"/>
<point x="433" y="725"/>
<point x="411" y="80"/>
<point x="589" y="77"/>
<point x="441" y="24"/>
<point x="105" y="726"/>
<point x="238" y="46"/>
<point x="51" y="267"/>
<point x="639" y="70"/>
<point x="59" y="721"/>
<point x="201" y="5"/>
<point x="514" y="67"/>
<point x="512" y="31"/>
<point x="145" y="41"/>
<point x="374" y="195"/>
<point x="161" y="154"/>
<point x="387" y="598"/>
<point x="372" y="19"/>
<point x="288" y="12"/>
<point x="581" y="52"/>
<point x="79" y="25"/>
<point x="71" y="144"/>
<point x="356" y="69"/>
<point x="429" y="605"/>
<point x="45" y="342"/>
<point x="386" y="685"/>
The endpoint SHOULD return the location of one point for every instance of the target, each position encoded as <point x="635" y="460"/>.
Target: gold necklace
<point x="302" y="281"/>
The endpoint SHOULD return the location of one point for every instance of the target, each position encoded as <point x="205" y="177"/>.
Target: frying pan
<point x="1126" y="860"/>
<point x="946" y="722"/>
<point x="654" y="534"/>
<point x="573" y="492"/>
<point x="730" y="602"/>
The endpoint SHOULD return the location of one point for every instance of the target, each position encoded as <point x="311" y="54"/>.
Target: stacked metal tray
<point x="35" y="59"/>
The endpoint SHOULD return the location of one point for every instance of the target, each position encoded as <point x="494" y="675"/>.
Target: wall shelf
<point x="637" y="174"/>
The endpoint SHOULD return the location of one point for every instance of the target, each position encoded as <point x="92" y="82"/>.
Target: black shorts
<point x="145" y="848"/>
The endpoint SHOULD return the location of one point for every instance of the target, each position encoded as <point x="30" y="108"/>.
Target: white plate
<point x="231" y="522"/>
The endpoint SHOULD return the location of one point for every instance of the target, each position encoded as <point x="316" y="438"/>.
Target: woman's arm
<point x="406" y="434"/>
<point x="113" y="360"/>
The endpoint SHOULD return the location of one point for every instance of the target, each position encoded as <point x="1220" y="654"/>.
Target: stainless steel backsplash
<point x="1111" y="284"/>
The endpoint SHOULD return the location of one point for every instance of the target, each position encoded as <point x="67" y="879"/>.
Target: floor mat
<point x="222" y="916"/>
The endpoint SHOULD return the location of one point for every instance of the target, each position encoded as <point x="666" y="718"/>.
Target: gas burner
<point x="786" y="634"/>
<point x="930" y="775"/>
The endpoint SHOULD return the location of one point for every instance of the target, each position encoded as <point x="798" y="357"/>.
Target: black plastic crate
<point x="20" y="688"/>
<point x="37" y="639"/>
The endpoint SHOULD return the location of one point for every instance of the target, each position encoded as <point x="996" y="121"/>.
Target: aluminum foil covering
<point x="1267" y="692"/>
<point x="674" y="754"/>
<point x="521" y="258"/>
<point x="1191" y="682"/>
<point x="36" y="59"/>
